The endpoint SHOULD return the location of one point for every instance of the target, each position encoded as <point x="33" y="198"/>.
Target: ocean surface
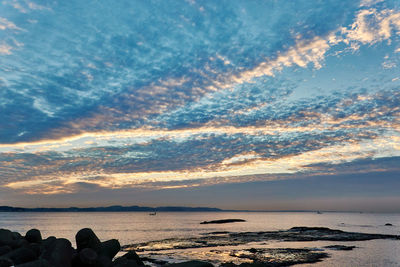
<point x="137" y="227"/>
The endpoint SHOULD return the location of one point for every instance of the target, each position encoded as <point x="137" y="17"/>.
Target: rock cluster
<point x="33" y="251"/>
<point x="223" y="221"/>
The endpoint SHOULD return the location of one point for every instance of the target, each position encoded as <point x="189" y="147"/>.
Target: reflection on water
<point x="366" y="253"/>
<point x="137" y="227"/>
<point x="241" y="254"/>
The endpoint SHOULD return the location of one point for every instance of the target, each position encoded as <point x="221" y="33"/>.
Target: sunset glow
<point x="152" y="96"/>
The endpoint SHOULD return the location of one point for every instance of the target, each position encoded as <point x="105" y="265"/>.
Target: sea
<point x="138" y="227"/>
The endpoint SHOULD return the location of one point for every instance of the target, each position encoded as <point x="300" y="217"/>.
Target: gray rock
<point x="86" y="238"/>
<point x="33" y="236"/>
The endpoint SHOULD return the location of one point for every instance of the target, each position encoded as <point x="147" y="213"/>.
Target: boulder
<point x="110" y="248"/>
<point x="48" y="242"/>
<point x="36" y="263"/>
<point x="6" y="262"/>
<point x="223" y="221"/>
<point x="87" y="257"/>
<point x="6" y="237"/>
<point x="104" y="261"/>
<point x="16" y="235"/>
<point x="253" y="250"/>
<point x="33" y="236"/>
<point x="5" y="250"/>
<point x="248" y="264"/>
<point x="86" y="238"/>
<point x="340" y="247"/>
<point x="33" y="251"/>
<point x="47" y="247"/>
<point x="60" y="254"/>
<point x="20" y="255"/>
<point x="130" y="256"/>
<point x="123" y="262"/>
<point x="19" y="243"/>
<point x="35" y="247"/>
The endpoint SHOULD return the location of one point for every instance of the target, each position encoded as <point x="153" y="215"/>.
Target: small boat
<point x="318" y="212"/>
<point x="153" y="213"/>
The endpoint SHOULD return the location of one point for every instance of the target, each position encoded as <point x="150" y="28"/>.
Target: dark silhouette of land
<point x="108" y="209"/>
<point x="223" y="221"/>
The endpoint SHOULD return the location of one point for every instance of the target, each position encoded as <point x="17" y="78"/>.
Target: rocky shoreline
<point x="31" y="250"/>
<point x="218" y="239"/>
<point x="230" y="249"/>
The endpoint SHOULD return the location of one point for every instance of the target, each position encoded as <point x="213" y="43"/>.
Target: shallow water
<point x="135" y="227"/>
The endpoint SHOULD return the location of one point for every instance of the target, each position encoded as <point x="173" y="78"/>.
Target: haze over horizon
<point x="258" y="105"/>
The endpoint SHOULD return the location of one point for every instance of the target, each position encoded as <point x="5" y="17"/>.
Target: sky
<point x="261" y="105"/>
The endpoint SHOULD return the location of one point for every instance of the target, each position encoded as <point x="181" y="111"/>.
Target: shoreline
<point x="297" y="245"/>
<point x="236" y="248"/>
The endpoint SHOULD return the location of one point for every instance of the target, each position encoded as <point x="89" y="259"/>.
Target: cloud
<point x="5" y="49"/>
<point x="372" y="26"/>
<point x="194" y="159"/>
<point x="359" y="167"/>
<point x="136" y="74"/>
<point x="223" y="93"/>
<point x="25" y="6"/>
<point x="367" y="3"/>
<point x="54" y="187"/>
<point x="6" y="24"/>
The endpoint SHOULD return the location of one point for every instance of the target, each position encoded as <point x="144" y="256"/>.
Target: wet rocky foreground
<point x="217" y="239"/>
<point x="225" y="249"/>
<point x="248" y="248"/>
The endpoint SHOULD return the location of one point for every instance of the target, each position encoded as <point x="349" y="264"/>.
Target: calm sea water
<point x="135" y="227"/>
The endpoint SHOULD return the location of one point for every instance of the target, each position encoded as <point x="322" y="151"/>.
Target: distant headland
<point x="110" y="209"/>
<point x="119" y="208"/>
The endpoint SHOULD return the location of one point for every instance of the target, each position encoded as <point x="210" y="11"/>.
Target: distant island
<point x="118" y="208"/>
<point x="108" y="209"/>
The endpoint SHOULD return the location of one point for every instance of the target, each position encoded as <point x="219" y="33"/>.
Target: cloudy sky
<point x="231" y="104"/>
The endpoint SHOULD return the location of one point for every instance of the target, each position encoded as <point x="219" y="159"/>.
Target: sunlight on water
<point x="138" y="227"/>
